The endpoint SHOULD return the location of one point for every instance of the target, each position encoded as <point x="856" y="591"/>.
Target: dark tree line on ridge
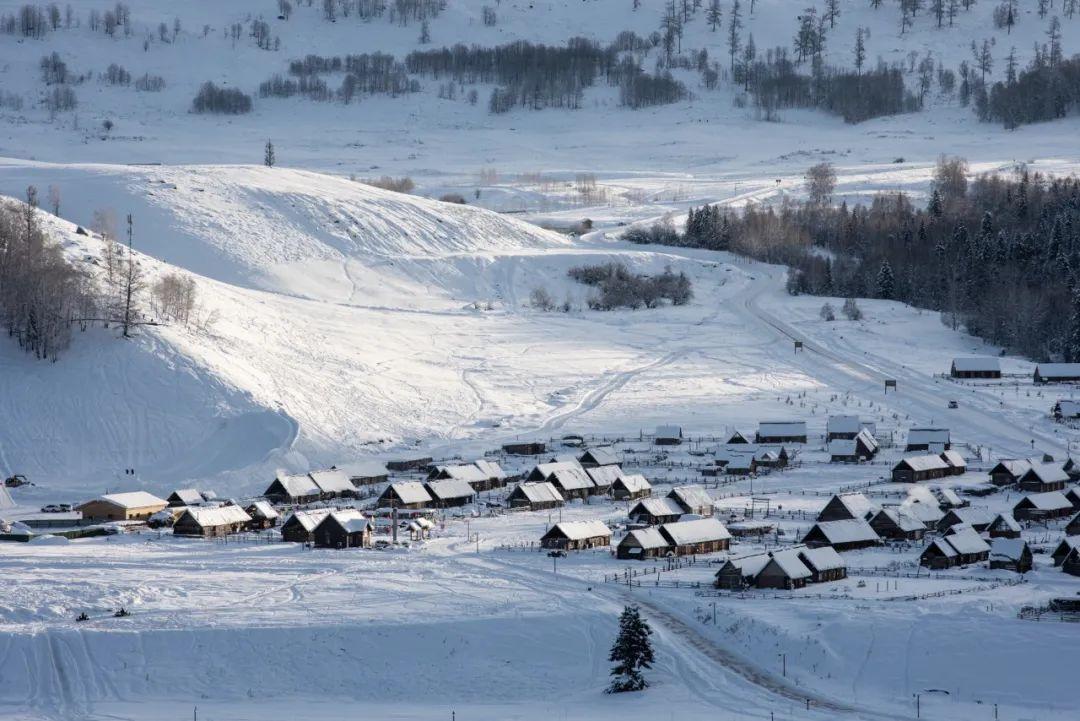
<point x="997" y="255"/>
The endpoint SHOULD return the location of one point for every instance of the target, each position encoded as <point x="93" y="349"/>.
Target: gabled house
<point x="844" y="535"/>
<point x="895" y="525"/>
<point x="630" y="487"/>
<point x="654" y="511"/>
<point x="781" y="432"/>
<point x="705" y="535"/>
<point x="299" y="526"/>
<point x="976" y="518"/>
<point x="863" y="447"/>
<point x="643" y="543"/>
<point x="535" y="496"/>
<point x="344" y="529"/>
<point x="211" y="522"/>
<point x="1011" y="554"/>
<point x="603" y="477"/>
<point x="842" y="428"/>
<point x="692" y="499"/>
<point x="333" y="483"/>
<point x="1041" y="506"/>
<point x="1064" y="548"/>
<point x="1004" y="526"/>
<point x="739" y="573"/>
<point x="1072" y="528"/>
<point x="543" y="471"/>
<point x="1057" y="373"/>
<point x="1043" y="478"/>
<point x="603" y="456"/>
<point x="298" y="488"/>
<point x="914" y="469"/>
<point x="185" y="497"/>
<point x="367" y="473"/>
<point x="450" y="493"/>
<point x="1009" y="470"/>
<point x="263" y="516"/>
<point x="576" y="536"/>
<point x="405" y="494"/>
<point x="737" y="438"/>
<point x="572" y="482"/>
<point x="845" y="506"/>
<point x="825" y="564"/>
<point x="668" y="435"/>
<point x="933" y="440"/>
<point x="957" y="464"/>
<point x="979" y="367"/>
<point x="784" y="570"/>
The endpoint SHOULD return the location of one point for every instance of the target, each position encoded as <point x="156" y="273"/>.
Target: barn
<point x="572" y="482"/>
<point x="1011" y="554"/>
<point x="914" y="469"/>
<point x="1043" y="478"/>
<point x="535" y="496"/>
<point x="1009" y="471"/>
<point x="895" y="525"/>
<point x="653" y="511"/>
<point x="211" y="522"/>
<point x="784" y="570"/>
<point x="1041" y="506"/>
<point x="1004" y="526"/>
<point x="450" y="493"/>
<point x="293" y="489"/>
<point x="299" y="526"/>
<point x="129" y="506"/>
<point x="263" y="516"/>
<point x="668" y="435"/>
<point x="934" y="440"/>
<point x="978" y="519"/>
<point x="977" y="367"/>
<point x="631" y="487"/>
<point x="604" y="456"/>
<point x="185" y="497"/>
<point x="1057" y="373"/>
<point x="347" y="528"/>
<point x="576" y="536"/>
<point x="692" y="499"/>
<point x="845" y="506"/>
<point x="405" y="494"/>
<point x="643" y="543"/>
<point x="825" y="564"/>
<point x="842" y="535"/>
<point x="705" y="535"/>
<point x="781" y="432"/>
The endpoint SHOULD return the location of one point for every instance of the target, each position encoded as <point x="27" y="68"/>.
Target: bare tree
<point x="820" y="183"/>
<point x="54" y="200"/>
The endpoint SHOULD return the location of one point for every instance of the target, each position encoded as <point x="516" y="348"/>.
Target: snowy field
<point x="339" y="323"/>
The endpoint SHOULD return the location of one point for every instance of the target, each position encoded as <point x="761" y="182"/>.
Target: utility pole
<point x="783" y="658"/>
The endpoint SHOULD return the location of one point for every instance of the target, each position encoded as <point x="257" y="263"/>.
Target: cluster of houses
<point x="788" y="569"/>
<point x="987" y="367"/>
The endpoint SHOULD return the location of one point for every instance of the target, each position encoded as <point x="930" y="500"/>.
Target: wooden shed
<point x="1043" y="478"/>
<point x="781" y="432"/>
<point x="1057" y="373"/>
<point x="643" y="543"/>
<point x="914" y="469"/>
<point x="977" y="367"/>
<point x="211" y="522"/>
<point x="449" y="493"/>
<point x="405" y="494"/>
<point x="704" y="535"/>
<point x="1064" y="548"/>
<point x="653" y="511"/>
<point x="367" y="473"/>
<point x="572" y="482"/>
<point x="692" y="499"/>
<point x="668" y="435"/>
<point x="978" y="519"/>
<point x="1071" y="563"/>
<point x="263" y="516"/>
<point x="825" y="564"/>
<point x="1009" y="471"/>
<point x="895" y="525"/>
<point x="783" y="570"/>
<point x="739" y="573"/>
<point x="185" y="497"/>
<point x="576" y="536"/>
<point x="344" y="529"/>
<point x="842" y="535"/>
<point x="844" y="506"/>
<point x="1003" y="526"/>
<point x="602" y="456"/>
<point x="536" y="496"/>
<point x="299" y="526"/>
<point x="631" y="487"/>
<point x="1011" y="554"/>
<point x="1041" y="506"/>
<point x="939" y="555"/>
<point x="603" y="478"/>
<point x="1072" y="528"/>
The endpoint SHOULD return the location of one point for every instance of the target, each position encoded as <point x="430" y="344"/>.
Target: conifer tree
<point x="631" y="653"/>
<point x="1072" y="345"/>
<point x="885" y="280"/>
<point x="268" y="155"/>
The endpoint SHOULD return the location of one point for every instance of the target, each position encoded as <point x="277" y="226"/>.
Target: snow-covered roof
<point x="209" y="516"/>
<point x="188" y="496"/>
<point x="635" y="482"/>
<point x="867" y="437"/>
<point x="332" y="481"/>
<point x="309" y="519"/>
<point x="411" y="492"/>
<point x="954" y="459"/>
<point x="1069" y="408"/>
<point x="927" y="436"/>
<point x="824" y="558"/>
<point x="1015" y="466"/>
<point x="572" y="479"/>
<point x="540" y="492"/>
<point x="1058" y="370"/>
<point x="1005" y="521"/>
<point x="658" y="507"/>
<point x="849" y="530"/>
<point x="781" y="429"/>
<point x="905" y="521"/>
<point x="790" y="563"/>
<point x="449" y="489"/>
<point x="546" y="469"/>
<point x="740" y="461"/>
<point x="973" y="516"/>
<point x="491" y="469"/>
<point x="856" y="504"/>
<point x="668" y="431"/>
<point x="692" y="496"/>
<point x="751" y="565"/>
<point x="351" y="520"/>
<point x="366" y="469"/>
<point x="580" y="530"/>
<point x="928" y="462"/>
<point x="949" y="497"/>
<point x="699" y="531"/>
<point x="843" y="447"/>
<point x="1049" y="501"/>
<point x="649" y="537"/>
<point x="967" y="540"/>
<point x="943" y="547"/>
<point x="603" y="476"/>
<point x="463" y="472"/>
<point x="843" y="424"/>
<point x="299" y="485"/>
<point x="604" y="456"/>
<point x="1048" y="472"/>
<point x="1007" y="549"/>
<point x="977" y="364"/>
<point x="264" y="509"/>
<point x="926" y="512"/>
<point x="132" y="499"/>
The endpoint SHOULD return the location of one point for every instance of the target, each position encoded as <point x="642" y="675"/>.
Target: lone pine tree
<point x="631" y="653"/>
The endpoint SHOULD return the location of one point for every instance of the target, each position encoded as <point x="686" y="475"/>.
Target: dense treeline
<point x="41" y="295"/>
<point x="224" y="101"/>
<point x="367" y="73"/>
<point x="1044" y="91"/>
<point x="997" y="255"/>
<point x="617" y="287"/>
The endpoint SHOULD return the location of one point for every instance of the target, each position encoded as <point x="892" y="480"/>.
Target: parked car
<point x="53" y="508"/>
<point x="953" y="404"/>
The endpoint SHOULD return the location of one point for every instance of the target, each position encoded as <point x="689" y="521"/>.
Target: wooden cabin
<point x="299" y="526"/>
<point x="978" y="367"/>
<point x="211" y="522"/>
<point x="934" y="440"/>
<point x="576" y="536"/>
<point x="1042" y="506"/>
<point x="1009" y="471"/>
<point x="642" y="544"/>
<point x="1071" y="563"/>
<point x="631" y="487"/>
<point x="654" y="511"/>
<point x="1072" y="528"/>
<point x="263" y="516"/>
<point x="604" y="456"/>
<point x="294" y="489"/>
<point x="535" y="496"/>
<point x="705" y="535"/>
<point x="740" y="573"/>
<point x="978" y="519"/>
<point x="668" y="435"/>
<point x="939" y="555"/>
<point x="1011" y="554"/>
<point x="968" y="544"/>
<point x="692" y="499"/>
<point x="603" y="478"/>
<point x="863" y="447"/>
<point x="845" y="506"/>
<point x="1004" y="526"/>
<point x="781" y="432"/>
<point x="957" y="464"/>
<point x="842" y="428"/>
<point x="1043" y="478"/>
<point x="344" y="529"/>
<point x="404" y="465"/>
<point x="895" y="525"/>
<point x="532" y="448"/>
<point x="368" y="473"/>
<point x="1064" y="548"/>
<point x="185" y="497"/>
<point x="1057" y="373"/>
<point x="825" y="564"/>
<point x="129" y="506"/>
<point x="915" y="469"/>
<point x="450" y="493"/>
<point x="573" y="482"/>
<point x="405" y="494"/>
<point x="543" y="471"/>
<point x="845" y="535"/>
<point x="784" y="570"/>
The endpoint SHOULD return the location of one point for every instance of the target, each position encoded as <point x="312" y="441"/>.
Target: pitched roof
<point x="1070" y="408"/>
<point x="450" y="488"/>
<point x="1049" y="501"/>
<point x="927" y="436"/>
<point x="847" y="531"/>
<point x="824" y="558"/>
<point x="209" y="516"/>
<point x="692" y="496"/>
<point x="954" y="459"/>
<point x="298" y="485"/>
<point x="332" y="481"/>
<point x="369" y="468"/>
<point x="647" y="538"/>
<point x="1058" y="370"/>
<point x="856" y="504"/>
<point x="188" y="496"/>
<point x="1005" y="521"/>
<point x="750" y="565"/>
<point x="572" y="479"/>
<point x="843" y="447"/>
<point x="790" y="563"/>
<point x="925" y="512"/>
<point x="1048" y="472"/>
<point x="658" y="507"/>
<point x="977" y="364"/>
<point x="265" y="510"/>
<point x="843" y="424"/>
<point x="635" y="482"/>
<point x="603" y="456"/>
<point x="1007" y="549"/>
<point x="949" y="497"/>
<point x="463" y="472"/>
<point x="491" y="469"/>
<point x="943" y="547"/>
<point x="540" y="492"/>
<point x="351" y="520"/>
<point x="966" y="541"/>
<point x="130" y="499"/>
<point x="701" y="530"/>
<point x="928" y="462"/>
<point x="308" y="519"/>
<point x="669" y="431"/>
<point x="1014" y="466"/>
<point x="411" y="492"/>
<point x="546" y="469"/>
<point x="904" y="521"/>
<point x="603" y="476"/>
<point x="972" y="516"/>
<point x="781" y="429"/>
<point x="580" y="530"/>
<point x="741" y="461"/>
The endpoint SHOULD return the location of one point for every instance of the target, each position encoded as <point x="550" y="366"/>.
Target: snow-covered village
<point x="539" y="360"/>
